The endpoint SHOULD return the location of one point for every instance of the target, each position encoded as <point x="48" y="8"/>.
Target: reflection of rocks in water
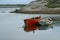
<point x="16" y="11"/>
<point x="56" y="18"/>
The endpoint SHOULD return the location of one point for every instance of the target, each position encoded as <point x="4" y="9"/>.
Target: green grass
<point x="53" y="5"/>
<point x="12" y="5"/>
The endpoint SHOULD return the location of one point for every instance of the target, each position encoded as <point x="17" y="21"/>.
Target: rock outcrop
<point x="38" y="7"/>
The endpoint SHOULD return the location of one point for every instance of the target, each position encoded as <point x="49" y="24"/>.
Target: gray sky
<point x="14" y="1"/>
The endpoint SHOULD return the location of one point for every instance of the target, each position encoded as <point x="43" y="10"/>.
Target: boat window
<point x="50" y="19"/>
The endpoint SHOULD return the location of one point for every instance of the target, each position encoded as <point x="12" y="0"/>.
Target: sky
<point x="15" y="1"/>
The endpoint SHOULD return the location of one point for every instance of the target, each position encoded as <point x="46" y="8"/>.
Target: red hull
<point x="29" y="24"/>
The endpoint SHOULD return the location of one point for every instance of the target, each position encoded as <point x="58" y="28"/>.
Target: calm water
<point x="11" y="27"/>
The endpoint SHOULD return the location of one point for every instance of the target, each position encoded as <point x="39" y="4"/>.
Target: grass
<point x="12" y="5"/>
<point x="53" y="5"/>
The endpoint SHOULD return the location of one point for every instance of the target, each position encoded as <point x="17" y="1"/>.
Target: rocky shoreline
<point x="46" y="11"/>
<point x="39" y="7"/>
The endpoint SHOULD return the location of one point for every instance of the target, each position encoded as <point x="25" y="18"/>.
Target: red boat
<point x="30" y="24"/>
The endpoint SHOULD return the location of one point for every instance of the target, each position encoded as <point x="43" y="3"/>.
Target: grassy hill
<point x="53" y="3"/>
<point x="11" y="5"/>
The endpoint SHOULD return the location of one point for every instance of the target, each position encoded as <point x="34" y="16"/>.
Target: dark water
<point x="11" y="27"/>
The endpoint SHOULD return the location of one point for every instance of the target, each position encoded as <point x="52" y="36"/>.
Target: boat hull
<point x="30" y="24"/>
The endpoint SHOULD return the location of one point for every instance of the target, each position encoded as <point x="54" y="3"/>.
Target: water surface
<point x="11" y="27"/>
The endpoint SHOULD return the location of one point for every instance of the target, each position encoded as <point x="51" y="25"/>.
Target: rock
<point x="38" y="6"/>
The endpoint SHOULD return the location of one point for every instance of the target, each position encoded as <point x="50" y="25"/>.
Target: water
<point x="7" y="10"/>
<point x="11" y="27"/>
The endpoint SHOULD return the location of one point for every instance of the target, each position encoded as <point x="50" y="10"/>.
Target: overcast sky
<point x="14" y="1"/>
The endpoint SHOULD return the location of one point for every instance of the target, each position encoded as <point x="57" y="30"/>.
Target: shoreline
<point x="11" y="5"/>
<point x="35" y="13"/>
<point x="47" y="11"/>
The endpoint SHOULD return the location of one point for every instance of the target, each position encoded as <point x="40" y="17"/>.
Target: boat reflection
<point x="33" y="28"/>
<point x="37" y="23"/>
